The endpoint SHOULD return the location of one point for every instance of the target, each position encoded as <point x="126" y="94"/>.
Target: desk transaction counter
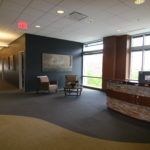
<point x="129" y="98"/>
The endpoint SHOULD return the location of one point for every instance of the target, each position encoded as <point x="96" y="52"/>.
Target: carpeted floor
<point x="5" y="87"/>
<point x="86" y="114"/>
<point x="27" y="133"/>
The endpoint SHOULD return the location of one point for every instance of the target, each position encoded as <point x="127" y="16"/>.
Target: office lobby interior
<point x="74" y="74"/>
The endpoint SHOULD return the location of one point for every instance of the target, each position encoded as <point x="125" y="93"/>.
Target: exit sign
<point x="22" y="25"/>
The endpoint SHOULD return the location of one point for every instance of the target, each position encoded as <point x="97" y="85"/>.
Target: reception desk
<point x="129" y="98"/>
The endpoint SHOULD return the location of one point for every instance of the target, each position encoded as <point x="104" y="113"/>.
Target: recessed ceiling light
<point x="60" y="12"/>
<point x="91" y="20"/>
<point x="37" y="26"/>
<point x="118" y="30"/>
<point x="138" y="2"/>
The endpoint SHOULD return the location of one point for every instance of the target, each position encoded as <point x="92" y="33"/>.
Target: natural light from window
<point x="147" y="40"/>
<point x="92" y="65"/>
<point x="138" y="41"/>
<point x="140" y="55"/>
<point x="147" y="60"/>
<point x="93" y="46"/>
<point x="92" y="68"/>
<point x="136" y="64"/>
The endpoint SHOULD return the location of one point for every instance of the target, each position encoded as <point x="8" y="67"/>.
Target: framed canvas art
<point x="57" y="63"/>
<point x="11" y="62"/>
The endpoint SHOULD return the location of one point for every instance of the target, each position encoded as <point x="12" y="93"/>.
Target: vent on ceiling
<point x="77" y="16"/>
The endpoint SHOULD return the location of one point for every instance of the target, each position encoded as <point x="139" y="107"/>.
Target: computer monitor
<point x="144" y="77"/>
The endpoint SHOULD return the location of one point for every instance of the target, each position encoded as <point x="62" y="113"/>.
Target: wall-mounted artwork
<point x="0" y="65"/>
<point x="54" y="62"/>
<point x="5" y="64"/>
<point x="8" y="63"/>
<point x="11" y="62"/>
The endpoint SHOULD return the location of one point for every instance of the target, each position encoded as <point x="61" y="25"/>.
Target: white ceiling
<point x="105" y="17"/>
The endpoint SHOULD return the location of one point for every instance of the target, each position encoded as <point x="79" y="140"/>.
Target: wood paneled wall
<point x="11" y="75"/>
<point x="116" y="58"/>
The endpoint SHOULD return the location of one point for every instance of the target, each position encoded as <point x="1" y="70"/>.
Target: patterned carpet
<point x="28" y="133"/>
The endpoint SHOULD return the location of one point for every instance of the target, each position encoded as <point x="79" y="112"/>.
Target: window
<point x="146" y="66"/>
<point x="140" y="55"/>
<point x="136" y="64"/>
<point x="92" y="82"/>
<point x="93" y="46"/>
<point x="92" y="65"/>
<point x="147" y="40"/>
<point x="137" y="41"/>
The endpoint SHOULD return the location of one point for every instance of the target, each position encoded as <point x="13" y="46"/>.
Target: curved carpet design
<point x="86" y="114"/>
<point x="27" y="133"/>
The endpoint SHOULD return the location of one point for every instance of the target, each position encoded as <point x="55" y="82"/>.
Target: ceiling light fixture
<point x="90" y="20"/>
<point x="118" y="30"/>
<point x="139" y="2"/>
<point x="3" y="45"/>
<point x="37" y="26"/>
<point x="60" y="12"/>
<point x="3" y="35"/>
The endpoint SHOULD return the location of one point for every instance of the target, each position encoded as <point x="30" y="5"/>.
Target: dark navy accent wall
<point x="36" y="45"/>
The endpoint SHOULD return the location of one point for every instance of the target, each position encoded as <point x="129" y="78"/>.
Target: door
<point x="21" y="71"/>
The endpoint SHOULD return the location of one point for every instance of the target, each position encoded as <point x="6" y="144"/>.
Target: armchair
<point x="71" y="79"/>
<point x="45" y="85"/>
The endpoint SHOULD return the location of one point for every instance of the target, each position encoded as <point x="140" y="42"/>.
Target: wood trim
<point x="134" y="99"/>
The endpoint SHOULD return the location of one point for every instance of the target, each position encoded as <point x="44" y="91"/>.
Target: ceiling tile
<point x="33" y="12"/>
<point x="104" y="18"/>
<point x="19" y="2"/>
<point x="43" y="5"/>
<point x="9" y="6"/>
<point x="27" y="18"/>
<point x="72" y="4"/>
<point x="119" y="9"/>
<point x="9" y="16"/>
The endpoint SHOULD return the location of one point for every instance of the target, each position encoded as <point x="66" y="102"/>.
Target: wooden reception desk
<point x="129" y="98"/>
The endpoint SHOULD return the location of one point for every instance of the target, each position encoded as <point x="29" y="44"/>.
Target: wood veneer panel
<point x="134" y="99"/>
<point x="109" y="59"/>
<point x="116" y="58"/>
<point x="12" y="76"/>
<point x="123" y="57"/>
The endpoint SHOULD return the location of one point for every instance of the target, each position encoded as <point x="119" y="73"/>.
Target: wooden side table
<point x="69" y="90"/>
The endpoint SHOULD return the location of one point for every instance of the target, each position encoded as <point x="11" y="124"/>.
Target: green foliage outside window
<point x="134" y="76"/>
<point x="95" y="82"/>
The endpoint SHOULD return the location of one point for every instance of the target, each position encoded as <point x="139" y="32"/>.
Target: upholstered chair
<point x="71" y="79"/>
<point x="44" y="84"/>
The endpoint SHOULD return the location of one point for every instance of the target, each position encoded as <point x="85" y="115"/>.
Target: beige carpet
<point x="26" y="133"/>
<point x="6" y="87"/>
